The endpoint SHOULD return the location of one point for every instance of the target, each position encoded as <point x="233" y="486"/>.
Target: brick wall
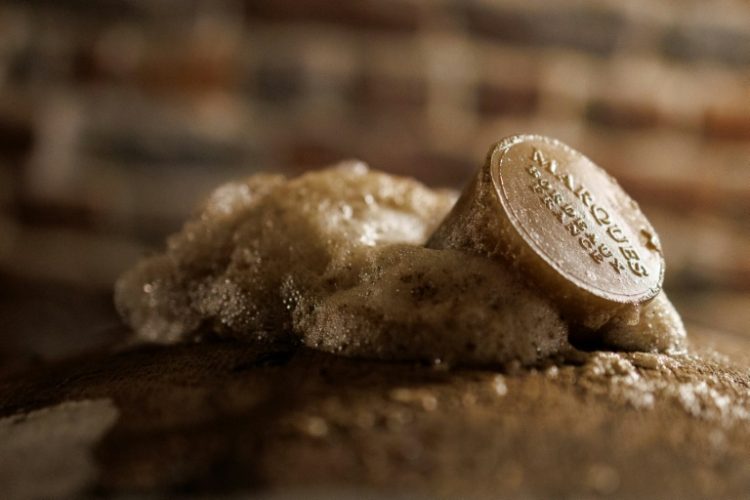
<point x="117" y="115"/>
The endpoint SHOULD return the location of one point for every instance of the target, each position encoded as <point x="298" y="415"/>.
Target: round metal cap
<point x="577" y="219"/>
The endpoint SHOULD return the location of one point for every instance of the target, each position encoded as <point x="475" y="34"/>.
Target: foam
<point x="334" y="259"/>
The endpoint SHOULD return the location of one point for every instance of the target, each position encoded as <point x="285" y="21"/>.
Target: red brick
<point x="308" y="153"/>
<point x="378" y="92"/>
<point x="727" y="124"/>
<point x="622" y="115"/>
<point x="502" y="100"/>
<point x="393" y="16"/>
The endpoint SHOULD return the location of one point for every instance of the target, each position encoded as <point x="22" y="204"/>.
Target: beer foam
<point x="334" y="259"/>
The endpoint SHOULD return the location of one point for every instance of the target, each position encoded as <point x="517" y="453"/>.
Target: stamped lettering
<point x="558" y="190"/>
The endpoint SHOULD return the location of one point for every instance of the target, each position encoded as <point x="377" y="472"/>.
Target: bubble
<point x="498" y="384"/>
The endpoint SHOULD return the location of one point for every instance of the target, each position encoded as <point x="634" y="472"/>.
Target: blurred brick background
<point x="116" y="116"/>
